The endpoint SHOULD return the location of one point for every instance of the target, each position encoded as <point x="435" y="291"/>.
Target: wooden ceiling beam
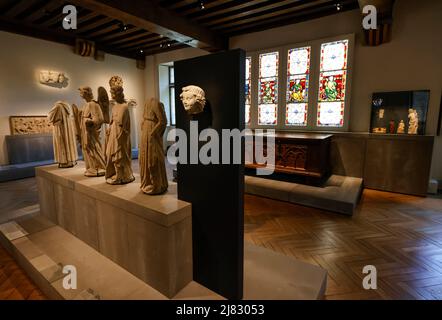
<point x="37" y="14"/>
<point x="299" y="7"/>
<point x="19" y="7"/>
<point x="64" y="37"/>
<point x="123" y="40"/>
<point x="162" y="50"/>
<point x="142" y="43"/>
<point x="225" y="8"/>
<point x="290" y="18"/>
<point x="128" y="35"/>
<point x="150" y="16"/>
<point x="271" y="8"/>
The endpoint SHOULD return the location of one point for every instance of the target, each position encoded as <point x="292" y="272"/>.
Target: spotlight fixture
<point x="202" y="5"/>
<point x="338" y="6"/>
<point x="123" y="27"/>
<point x="168" y="45"/>
<point x="141" y="51"/>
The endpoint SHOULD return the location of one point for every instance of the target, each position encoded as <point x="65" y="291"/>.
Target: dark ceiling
<point x="138" y="28"/>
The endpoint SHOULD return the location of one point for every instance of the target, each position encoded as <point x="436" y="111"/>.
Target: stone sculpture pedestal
<point x="150" y="236"/>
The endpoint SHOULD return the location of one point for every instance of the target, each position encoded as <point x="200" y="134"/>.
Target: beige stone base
<point x="42" y="249"/>
<point x="149" y="236"/>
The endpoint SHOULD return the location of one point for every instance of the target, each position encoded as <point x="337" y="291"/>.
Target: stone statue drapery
<point x="151" y="157"/>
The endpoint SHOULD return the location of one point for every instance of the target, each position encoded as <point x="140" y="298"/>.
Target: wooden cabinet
<point x="305" y="154"/>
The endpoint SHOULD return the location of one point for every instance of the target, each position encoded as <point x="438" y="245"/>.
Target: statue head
<point x="61" y="78"/>
<point x="193" y="98"/>
<point x="117" y="93"/>
<point x="86" y="93"/>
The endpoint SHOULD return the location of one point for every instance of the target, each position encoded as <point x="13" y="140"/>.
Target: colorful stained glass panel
<point x="297" y="88"/>
<point x="248" y="67"/>
<point x="247" y="92"/>
<point x="296" y="114"/>
<point x="331" y="114"/>
<point x="299" y="61"/>
<point x="268" y="65"/>
<point x="267" y="114"/>
<point x="247" y="118"/>
<point x="334" y="55"/>
<point x="268" y="91"/>
<point x="332" y="86"/>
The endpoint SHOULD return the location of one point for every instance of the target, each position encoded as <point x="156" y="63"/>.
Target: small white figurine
<point x="413" y="121"/>
<point x="381" y="113"/>
<point x="194" y="99"/>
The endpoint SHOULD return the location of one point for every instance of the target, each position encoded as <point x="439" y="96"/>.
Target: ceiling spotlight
<point x="141" y="51"/>
<point x="124" y="27"/>
<point x="202" y="5"/>
<point x="338" y="6"/>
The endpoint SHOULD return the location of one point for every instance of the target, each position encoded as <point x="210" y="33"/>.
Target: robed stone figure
<point x="65" y="146"/>
<point x="151" y="157"/>
<point x="118" y="145"/>
<point x="91" y="121"/>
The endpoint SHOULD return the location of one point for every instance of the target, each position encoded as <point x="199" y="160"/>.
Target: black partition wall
<point x="216" y="191"/>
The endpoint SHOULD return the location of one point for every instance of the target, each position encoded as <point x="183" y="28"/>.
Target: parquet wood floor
<point x="400" y="235"/>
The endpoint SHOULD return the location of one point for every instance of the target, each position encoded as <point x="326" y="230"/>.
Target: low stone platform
<point x="149" y="236"/>
<point x="339" y="194"/>
<point x="42" y="249"/>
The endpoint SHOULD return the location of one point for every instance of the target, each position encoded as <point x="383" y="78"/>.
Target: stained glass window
<point x="332" y="82"/>
<point x="248" y="93"/>
<point x="298" y="71"/>
<point x="268" y="88"/>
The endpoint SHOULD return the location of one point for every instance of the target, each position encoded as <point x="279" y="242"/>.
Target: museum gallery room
<point x="220" y="150"/>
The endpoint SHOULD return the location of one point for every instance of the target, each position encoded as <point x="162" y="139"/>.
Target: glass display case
<point x="403" y="112"/>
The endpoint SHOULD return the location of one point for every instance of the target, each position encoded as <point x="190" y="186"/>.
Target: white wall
<point x="151" y="73"/>
<point x="22" y="57"/>
<point x="411" y="61"/>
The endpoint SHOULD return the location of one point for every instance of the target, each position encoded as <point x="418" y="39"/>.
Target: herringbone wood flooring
<point x="400" y="235"/>
<point x="14" y="283"/>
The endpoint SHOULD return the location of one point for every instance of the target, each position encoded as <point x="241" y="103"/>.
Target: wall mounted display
<point x="151" y="158"/>
<point x="29" y="125"/>
<point x="216" y="191"/>
<point x="402" y="112"/>
<point x="53" y="78"/>
<point x="65" y="145"/>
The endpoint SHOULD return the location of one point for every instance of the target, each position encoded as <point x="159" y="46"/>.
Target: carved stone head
<point x="194" y="99"/>
<point x="117" y="93"/>
<point x="86" y="93"/>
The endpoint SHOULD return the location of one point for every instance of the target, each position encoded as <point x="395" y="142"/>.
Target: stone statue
<point x="151" y="159"/>
<point x="413" y="121"/>
<point x="91" y="121"/>
<point x="118" y="146"/>
<point x="401" y="127"/>
<point x="194" y="99"/>
<point x="65" y="146"/>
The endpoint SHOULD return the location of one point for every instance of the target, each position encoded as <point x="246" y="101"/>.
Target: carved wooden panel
<point x="29" y="125"/>
<point x="292" y="156"/>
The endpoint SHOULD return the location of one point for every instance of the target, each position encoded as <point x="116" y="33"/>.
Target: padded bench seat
<point x="338" y="194"/>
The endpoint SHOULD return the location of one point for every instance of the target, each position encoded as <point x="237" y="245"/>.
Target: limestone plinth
<point x="150" y="236"/>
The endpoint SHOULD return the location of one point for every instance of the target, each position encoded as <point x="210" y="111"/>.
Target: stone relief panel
<point x="29" y="125"/>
